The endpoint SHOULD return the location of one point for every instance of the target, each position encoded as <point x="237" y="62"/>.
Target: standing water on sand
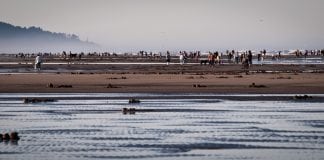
<point x="81" y="126"/>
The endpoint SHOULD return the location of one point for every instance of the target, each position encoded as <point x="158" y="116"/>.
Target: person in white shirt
<point x="38" y="62"/>
<point x="181" y="58"/>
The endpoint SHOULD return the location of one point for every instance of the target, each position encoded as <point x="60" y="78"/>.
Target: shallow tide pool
<point x="163" y="127"/>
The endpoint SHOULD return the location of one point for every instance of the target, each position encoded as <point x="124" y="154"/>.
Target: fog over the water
<point x="132" y="25"/>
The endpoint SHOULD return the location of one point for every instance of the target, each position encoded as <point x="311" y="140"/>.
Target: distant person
<point x="168" y="58"/>
<point x="259" y="56"/>
<point x="238" y="56"/>
<point x="38" y="62"/>
<point x="245" y="63"/>
<point x="250" y="57"/>
<point x="261" y="59"/>
<point x="211" y="59"/>
<point x="182" y="59"/>
<point x="218" y="59"/>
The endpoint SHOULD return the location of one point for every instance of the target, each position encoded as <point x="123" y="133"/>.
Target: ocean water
<point x="92" y="126"/>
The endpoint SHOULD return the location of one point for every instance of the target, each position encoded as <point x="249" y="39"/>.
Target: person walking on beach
<point x="38" y="62"/>
<point x="168" y="58"/>
<point x="181" y="58"/>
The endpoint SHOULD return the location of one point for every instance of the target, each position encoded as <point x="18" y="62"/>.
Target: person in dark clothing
<point x="168" y="58"/>
<point x="250" y="57"/>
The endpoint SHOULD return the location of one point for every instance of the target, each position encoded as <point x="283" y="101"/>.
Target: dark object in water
<point x="253" y="85"/>
<point x="6" y="136"/>
<point x="14" y="136"/>
<point x="304" y="97"/>
<point x="128" y="110"/>
<point x="134" y="100"/>
<point x="37" y="100"/>
<point x="198" y="85"/>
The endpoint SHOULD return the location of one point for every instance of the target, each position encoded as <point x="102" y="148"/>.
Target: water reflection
<point x="173" y="127"/>
<point x="9" y="142"/>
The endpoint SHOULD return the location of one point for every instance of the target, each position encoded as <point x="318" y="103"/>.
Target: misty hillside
<point x="15" y="39"/>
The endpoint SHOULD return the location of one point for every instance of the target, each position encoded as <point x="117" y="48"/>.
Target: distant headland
<point x="15" y="39"/>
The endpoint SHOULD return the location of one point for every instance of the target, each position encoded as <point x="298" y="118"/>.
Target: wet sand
<point x="293" y="83"/>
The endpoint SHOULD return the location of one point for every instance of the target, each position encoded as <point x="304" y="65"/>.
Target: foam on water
<point x="175" y="127"/>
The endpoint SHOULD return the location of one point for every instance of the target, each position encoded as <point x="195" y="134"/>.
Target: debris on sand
<point x="115" y="78"/>
<point x="239" y="76"/>
<point x="64" y="86"/>
<point x="222" y="77"/>
<point x="198" y="86"/>
<point x="253" y="85"/>
<point x="111" y="86"/>
<point x="51" y="85"/>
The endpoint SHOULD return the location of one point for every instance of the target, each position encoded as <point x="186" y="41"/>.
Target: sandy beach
<point x="219" y="82"/>
<point x="147" y="75"/>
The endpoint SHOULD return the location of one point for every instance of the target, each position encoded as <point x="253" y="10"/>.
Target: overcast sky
<point x="132" y="25"/>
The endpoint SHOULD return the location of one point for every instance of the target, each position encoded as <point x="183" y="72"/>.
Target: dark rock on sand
<point x="111" y="86"/>
<point x="198" y="86"/>
<point x="253" y="85"/>
<point x="64" y="86"/>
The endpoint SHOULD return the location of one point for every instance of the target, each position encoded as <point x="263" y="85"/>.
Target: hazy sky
<point x="131" y="25"/>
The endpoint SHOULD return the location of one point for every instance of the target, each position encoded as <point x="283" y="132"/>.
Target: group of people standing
<point x="215" y="58"/>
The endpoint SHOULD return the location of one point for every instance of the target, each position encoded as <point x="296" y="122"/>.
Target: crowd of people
<point x="211" y="58"/>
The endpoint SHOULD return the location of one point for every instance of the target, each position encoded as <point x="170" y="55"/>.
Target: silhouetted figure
<point x="250" y="57"/>
<point x="64" y="54"/>
<point x="264" y="52"/>
<point x="168" y="58"/>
